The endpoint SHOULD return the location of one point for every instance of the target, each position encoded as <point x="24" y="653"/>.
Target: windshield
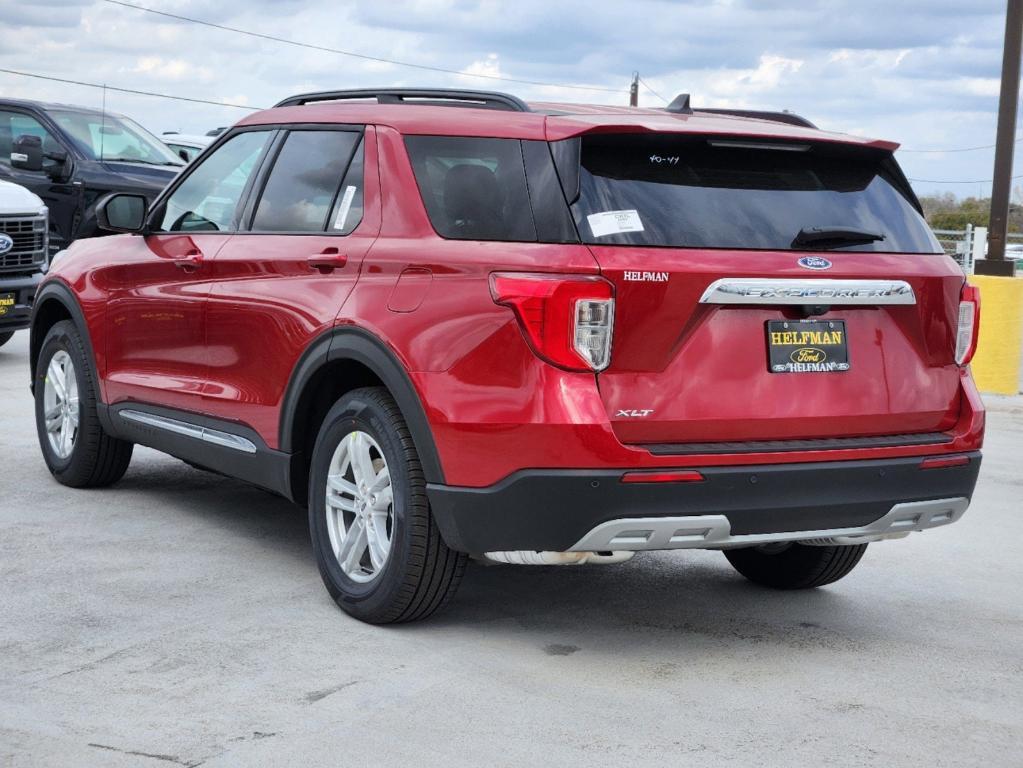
<point x="707" y="192"/>
<point x="114" y="138"/>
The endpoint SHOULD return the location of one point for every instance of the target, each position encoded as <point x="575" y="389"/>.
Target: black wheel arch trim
<point x="361" y="346"/>
<point x="59" y="291"/>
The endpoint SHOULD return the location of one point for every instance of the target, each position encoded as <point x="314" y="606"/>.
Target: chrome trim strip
<point x="757" y="290"/>
<point x="214" y="436"/>
<point x="714" y="531"/>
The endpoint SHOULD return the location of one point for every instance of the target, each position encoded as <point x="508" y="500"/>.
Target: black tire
<point x="421" y="573"/>
<point x="795" y="566"/>
<point x="6" y="336"/>
<point x="96" y="459"/>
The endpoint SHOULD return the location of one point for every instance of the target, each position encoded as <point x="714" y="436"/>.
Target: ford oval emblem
<point x="814" y="262"/>
<point x="6" y="243"/>
<point x="808" y="355"/>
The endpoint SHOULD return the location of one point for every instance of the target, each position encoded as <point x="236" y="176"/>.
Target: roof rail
<point x="791" y="118"/>
<point x="434" y="97"/>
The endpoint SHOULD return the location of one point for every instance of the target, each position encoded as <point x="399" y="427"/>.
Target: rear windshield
<point x="669" y="190"/>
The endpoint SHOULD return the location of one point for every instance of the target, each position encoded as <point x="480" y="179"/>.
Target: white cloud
<point x="921" y="71"/>
<point x="490" y="67"/>
<point x="171" y="69"/>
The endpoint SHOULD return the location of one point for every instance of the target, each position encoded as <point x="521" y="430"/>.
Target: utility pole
<point x="634" y="90"/>
<point x="995" y="263"/>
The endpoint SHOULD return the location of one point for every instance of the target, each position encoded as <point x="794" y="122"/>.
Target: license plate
<point x="6" y="303"/>
<point x="807" y="346"/>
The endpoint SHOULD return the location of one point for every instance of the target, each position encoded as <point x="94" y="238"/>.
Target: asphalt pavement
<point x="178" y="619"/>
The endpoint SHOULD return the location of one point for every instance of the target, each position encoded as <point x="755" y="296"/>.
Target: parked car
<point x="186" y="146"/>
<point x="72" y="156"/>
<point x="451" y="324"/>
<point x="23" y="255"/>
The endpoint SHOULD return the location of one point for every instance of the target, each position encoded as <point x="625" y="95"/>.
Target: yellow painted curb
<point x="996" y="367"/>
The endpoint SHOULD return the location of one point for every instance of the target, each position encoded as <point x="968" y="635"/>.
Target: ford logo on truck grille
<point x="814" y="262"/>
<point x="6" y="243"/>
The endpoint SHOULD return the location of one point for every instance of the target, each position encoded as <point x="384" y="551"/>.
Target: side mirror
<point x="27" y="153"/>
<point x="59" y="168"/>
<point x="122" y="212"/>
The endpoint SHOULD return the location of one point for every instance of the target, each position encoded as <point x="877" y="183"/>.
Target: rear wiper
<point x="834" y="237"/>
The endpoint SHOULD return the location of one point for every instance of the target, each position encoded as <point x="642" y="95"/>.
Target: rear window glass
<point x="725" y="193"/>
<point x="473" y="189"/>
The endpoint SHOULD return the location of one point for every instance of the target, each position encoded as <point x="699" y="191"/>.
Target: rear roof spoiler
<point x="791" y="118"/>
<point x="680" y="106"/>
<point x="433" y="97"/>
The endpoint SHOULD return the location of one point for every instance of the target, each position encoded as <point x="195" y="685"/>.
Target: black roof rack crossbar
<point x="791" y="118"/>
<point x="435" y="97"/>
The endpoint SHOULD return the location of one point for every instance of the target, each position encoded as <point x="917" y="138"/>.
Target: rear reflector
<point x="943" y="462"/>
<point x="678" y="476"/>
<point x="969" y="324"/>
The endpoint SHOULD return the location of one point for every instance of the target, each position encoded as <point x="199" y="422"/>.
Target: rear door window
<point x="703" y="192"/>
<point x="348" y="206"/>
<point x="473" y="188"/>
<point x="304" y="182"/>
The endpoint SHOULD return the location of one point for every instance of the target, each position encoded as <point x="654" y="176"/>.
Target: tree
<point x="946" y="211"/>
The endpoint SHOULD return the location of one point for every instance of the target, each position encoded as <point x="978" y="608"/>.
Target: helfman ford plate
<point x="807" y="346"/>
<point x="7" y="303"/>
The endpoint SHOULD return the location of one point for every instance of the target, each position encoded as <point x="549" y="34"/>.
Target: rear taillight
<point x="567" y="319"/>
<point x="969" y="324"/>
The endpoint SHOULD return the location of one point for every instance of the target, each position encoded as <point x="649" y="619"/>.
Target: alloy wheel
<point x="360" y="507"/>
<point x="61" y="404"/>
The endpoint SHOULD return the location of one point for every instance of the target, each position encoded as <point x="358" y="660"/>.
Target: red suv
<point x="452" y="324"/>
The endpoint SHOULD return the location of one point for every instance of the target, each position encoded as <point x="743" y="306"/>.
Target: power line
<point x="960" y="149"/>
<point x="977" y="181"/>
<point x="655" y="93"/>
<point x="129" y="90"/>
<point x="429" y="68"/>
<point x="363" y="56"/>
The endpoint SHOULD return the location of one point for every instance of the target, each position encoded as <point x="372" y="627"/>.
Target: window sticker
<point x="614" y="222"/>
<point x="346" y="205"/>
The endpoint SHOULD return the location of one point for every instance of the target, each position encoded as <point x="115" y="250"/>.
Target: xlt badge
<point x="633" y="413"/>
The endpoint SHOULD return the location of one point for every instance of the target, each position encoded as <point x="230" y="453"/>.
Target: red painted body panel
<point x="668" y="346"/>
<point x="268" y="305"/>
<point x="224" y="339"/>
<point x="155" y="341"/>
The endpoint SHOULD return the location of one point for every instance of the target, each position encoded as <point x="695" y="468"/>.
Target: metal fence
<point x="968" y="245"/>
<point x="959" y="244"/>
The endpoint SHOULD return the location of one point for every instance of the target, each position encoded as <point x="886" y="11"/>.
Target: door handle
<point x="190" y="262"/>
<point x="327" y="260"/>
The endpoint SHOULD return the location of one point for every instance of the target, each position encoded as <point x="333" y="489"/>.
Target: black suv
<point x="72" y="156"/>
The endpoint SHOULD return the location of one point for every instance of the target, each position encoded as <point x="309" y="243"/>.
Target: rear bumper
<point x="561" y="510"/>
<point x="24" y="289"/>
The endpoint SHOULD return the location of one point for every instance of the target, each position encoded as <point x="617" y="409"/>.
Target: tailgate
<point x="690" y="368"/>
<point x="669" y="216"/>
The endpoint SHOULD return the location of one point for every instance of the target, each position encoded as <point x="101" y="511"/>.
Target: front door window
<point x="207" y="201"/>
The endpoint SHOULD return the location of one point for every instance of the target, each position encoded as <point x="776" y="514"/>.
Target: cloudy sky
<point x="921" y="72"/>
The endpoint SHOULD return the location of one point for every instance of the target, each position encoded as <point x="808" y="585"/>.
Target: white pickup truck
<point x="24" y="243"/>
